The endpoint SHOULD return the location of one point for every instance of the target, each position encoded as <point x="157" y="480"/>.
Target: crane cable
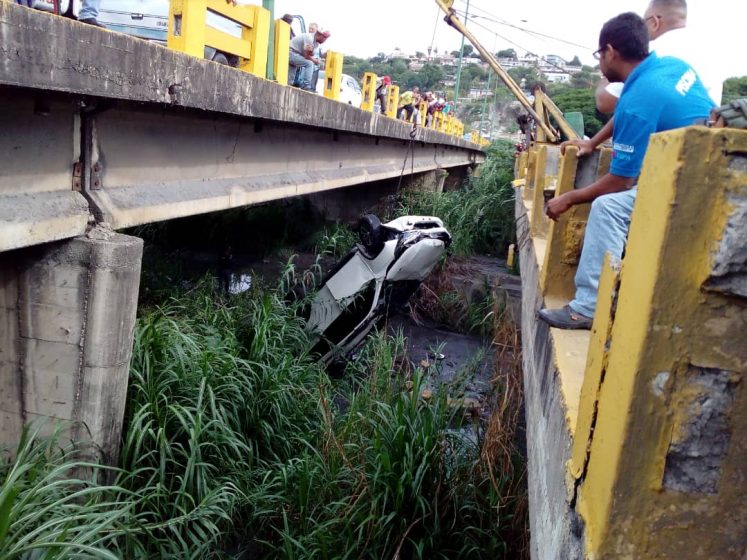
<point x="435" y="26"/>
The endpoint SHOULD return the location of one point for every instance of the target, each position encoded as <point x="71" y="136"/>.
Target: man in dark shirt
<point x="659" y="94"/>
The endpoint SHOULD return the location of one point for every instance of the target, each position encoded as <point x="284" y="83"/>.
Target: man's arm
<point x="605" y="185"/>
<point x="605" y="99"/>
<point x="585" y="147"/>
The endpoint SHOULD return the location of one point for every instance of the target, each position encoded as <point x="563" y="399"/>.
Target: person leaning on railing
<point x="301" y="58"/>
<point x="659" y="94"/>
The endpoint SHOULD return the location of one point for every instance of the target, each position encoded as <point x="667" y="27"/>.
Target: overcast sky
<point x="364" y="29"/>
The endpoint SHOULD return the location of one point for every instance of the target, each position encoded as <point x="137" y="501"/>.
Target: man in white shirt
<point x="666" y="21"/>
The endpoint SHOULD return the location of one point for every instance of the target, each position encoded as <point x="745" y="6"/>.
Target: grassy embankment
<point x="237" y="440"/>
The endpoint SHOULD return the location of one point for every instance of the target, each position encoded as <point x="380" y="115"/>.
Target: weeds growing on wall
<point x="479" y="216"/>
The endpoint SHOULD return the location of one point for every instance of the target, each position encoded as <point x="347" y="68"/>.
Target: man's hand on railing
<point x="558" y="205"/>
<point x="585" y="146"/>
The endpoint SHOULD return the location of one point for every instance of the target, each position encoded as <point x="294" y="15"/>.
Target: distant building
<point x="556" y="76"/>
<point x="555" y="59"/>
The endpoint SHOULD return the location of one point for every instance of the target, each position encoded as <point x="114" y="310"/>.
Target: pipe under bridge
<point x="101" y="131"/>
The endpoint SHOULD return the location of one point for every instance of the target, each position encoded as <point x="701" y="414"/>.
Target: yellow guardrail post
<point x="186" y="31"/>
<point x="438" y="121"/>
<point x="189" y="32"/>
<point x="282" y="47"/>
<point x="257" y="33"/>
<point x="539" y="223"/>
<point x="368" y="98"/>
<point x="392" y="101"/>
<point x="423" y="111"/>
<point x="333" y="75"/>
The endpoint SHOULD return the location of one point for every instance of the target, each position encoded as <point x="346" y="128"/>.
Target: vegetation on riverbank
<point x="237" y="444"/>
<point x="480" y="216"/>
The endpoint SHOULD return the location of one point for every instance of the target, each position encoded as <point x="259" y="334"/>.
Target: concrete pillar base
<point x="67" y="314"/>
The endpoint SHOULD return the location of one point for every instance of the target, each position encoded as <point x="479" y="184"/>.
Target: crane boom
<point x="550" y="132"/>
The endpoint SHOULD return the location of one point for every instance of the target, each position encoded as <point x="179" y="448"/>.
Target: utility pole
<point x="485" y="101"/>
<point x="487" y="91"/>
<point x="270" y="5"/>
<point x="461" y="56"/>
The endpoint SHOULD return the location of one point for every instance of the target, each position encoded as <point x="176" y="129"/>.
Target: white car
<point x="146" y="19"/>
<point x="350" y="89"/>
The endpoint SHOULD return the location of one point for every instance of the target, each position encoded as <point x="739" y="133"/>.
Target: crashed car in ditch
<point x="376" y="277"/>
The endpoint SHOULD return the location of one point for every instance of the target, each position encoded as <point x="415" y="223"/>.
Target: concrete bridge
<point x="102" y="131"/>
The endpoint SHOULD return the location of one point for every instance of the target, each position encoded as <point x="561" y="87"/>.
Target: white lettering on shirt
<point x="686" y="82"/>
<point x="625" y="148"/>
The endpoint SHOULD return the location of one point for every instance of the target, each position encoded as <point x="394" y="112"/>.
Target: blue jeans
<point x="606" y="232"/>
<point x="90" y="9"/>
<point x="295" y="60"/>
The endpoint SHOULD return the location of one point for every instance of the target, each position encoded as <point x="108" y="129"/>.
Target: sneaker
<point x="92" y="21"/>
<point x="565" y="318"/>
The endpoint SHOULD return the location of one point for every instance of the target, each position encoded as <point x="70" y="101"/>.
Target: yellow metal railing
<point x="368" y="92"/>
<point x="667" y="337"/>
<point x="333" y="75"/>
<point x="189" y="32"/>
<point x="282" y="46"/>
<point x="392" y="101"/>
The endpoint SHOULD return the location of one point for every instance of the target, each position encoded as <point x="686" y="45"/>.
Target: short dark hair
<point x="627" y="34"/>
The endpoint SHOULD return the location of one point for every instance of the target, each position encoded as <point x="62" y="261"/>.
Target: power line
<point x="494" y="19"/>
<point x="542" y="58"/>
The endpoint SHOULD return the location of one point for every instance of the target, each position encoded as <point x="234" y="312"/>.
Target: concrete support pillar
<point x="67" y="313"/>
<point x="430" y="181"/>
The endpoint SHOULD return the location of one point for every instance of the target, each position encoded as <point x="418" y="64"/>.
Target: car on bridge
<point x="350" y="89"/>
<point x="146" y="19"/>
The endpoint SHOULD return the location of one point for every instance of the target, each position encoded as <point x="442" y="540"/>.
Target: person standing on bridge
<point x="659" y="94"/>
<point x="317" y="55"/>
<point x="301" y="58"/>
<point x="89" y="12"/>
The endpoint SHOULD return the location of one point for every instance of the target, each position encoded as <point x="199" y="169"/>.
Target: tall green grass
<point x="480" y="216"/>
<point x="235" y="440"/>
<point x="52" y="503"/>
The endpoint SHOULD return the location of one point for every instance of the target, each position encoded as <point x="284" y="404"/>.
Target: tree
<point x="575" y="61"/>
<point x="466" y="52"/>
<point x="419" y="54"/>
<point x="431" y="76"/>
<point x="508" y="53"/>
<point x="586" y="79"/>
<point x="734" y="88"/>
<point x="528" y="73"/>
<point x="583" y="101"/>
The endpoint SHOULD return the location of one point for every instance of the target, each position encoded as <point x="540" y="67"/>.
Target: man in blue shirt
<point x="659" y="94"/>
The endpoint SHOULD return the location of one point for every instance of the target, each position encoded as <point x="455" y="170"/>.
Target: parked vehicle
<point x="147" y="19"/>
<point x="376" y="277"/>
<point x="350" y="89"/>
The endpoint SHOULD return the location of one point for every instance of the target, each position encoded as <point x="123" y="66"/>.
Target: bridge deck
<point x="158" y="134"/>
